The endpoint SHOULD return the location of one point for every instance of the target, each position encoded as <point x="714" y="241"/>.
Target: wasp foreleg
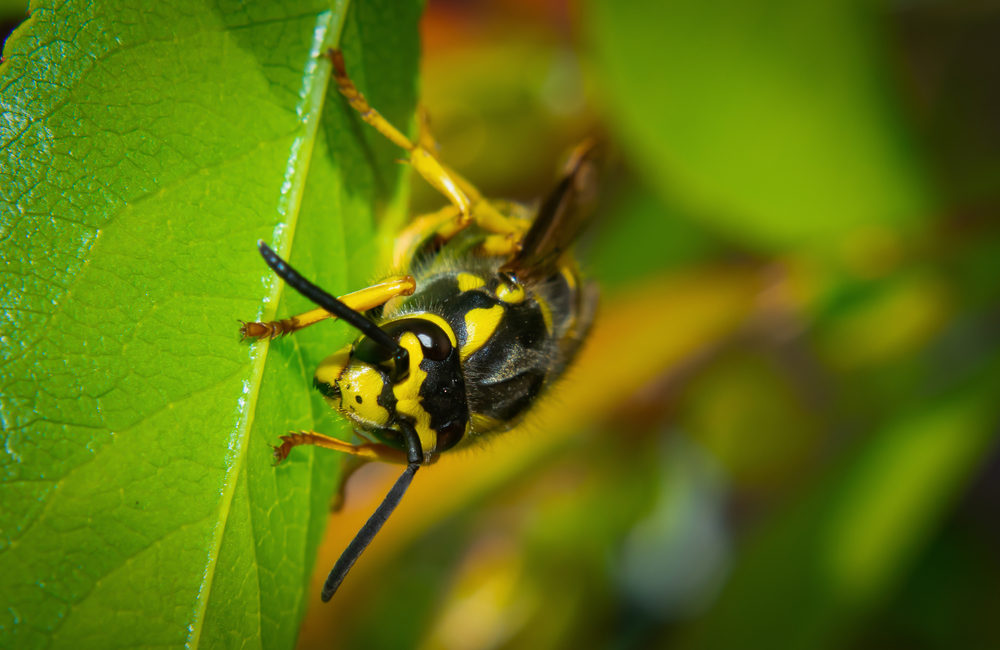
<point x="368" y="451"/>
<point x="363" y="300"/>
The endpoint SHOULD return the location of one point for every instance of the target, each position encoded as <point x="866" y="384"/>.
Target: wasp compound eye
<point x="434" y="342"/>
<point x="369" y="351"/>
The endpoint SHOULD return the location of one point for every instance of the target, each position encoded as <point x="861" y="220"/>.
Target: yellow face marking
<point x="511" y="294"/>
<point x="440" y="322"/>
<point x="468" y="282"/>
<point x="407" y="393"/>
<point x="330" y="369"/>
<point x="479" y="327"/>
<point x="360" y="386"/>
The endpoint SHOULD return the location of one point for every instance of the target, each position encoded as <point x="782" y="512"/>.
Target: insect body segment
<point x="488" y="312"/>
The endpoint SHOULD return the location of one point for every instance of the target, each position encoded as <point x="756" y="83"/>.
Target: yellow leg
<point x="362" y="300"/>
<point x="462" y="194"/>
<point x="417" y="230"/>
<point x="501" y="245"/>
<point x="425" y="137"/>
<point x="423" y="160"/>
<point x="368" y="451"/>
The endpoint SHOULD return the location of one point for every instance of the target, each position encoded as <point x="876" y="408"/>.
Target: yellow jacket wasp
<point x="490" y="312"/>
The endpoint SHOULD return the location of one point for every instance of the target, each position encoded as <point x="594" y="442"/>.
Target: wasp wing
<point x="560" y="219"/>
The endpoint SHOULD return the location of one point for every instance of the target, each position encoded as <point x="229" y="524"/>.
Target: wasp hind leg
<point x="468" y="205"/>
<point x="367" y="451"/>
<point x="423" y="159"/>
<point x="363" y="300"/>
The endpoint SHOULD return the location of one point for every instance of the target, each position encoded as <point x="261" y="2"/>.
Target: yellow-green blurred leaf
<point x="813" y="572"/>
<point x="776" y="122"/>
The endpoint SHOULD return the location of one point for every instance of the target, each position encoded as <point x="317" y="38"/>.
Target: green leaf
<point x="775" y="122"/>
<point x="813" y="574"/>
<point x="147" y="152"/>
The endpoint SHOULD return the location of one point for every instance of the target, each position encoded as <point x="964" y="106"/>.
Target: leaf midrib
<point x="310" y="106"/>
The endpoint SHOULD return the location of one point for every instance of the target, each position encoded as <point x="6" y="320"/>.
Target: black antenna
<point x="332" y="305"/>
<point x="367" y="533"/>
<point x="414" y="453"/>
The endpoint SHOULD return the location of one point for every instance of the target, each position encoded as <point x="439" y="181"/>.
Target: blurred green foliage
<point x="827" y="477"/>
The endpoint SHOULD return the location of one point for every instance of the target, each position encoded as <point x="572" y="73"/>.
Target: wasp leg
<point x="416" y="232"/>
<point x="463" y="195"/>
<point x="363" y="300"/>
<point x="423" y="160"/>
<point x="425" y="139"/>
<point x="501" y="245"/>
<point x="368" y="451"/>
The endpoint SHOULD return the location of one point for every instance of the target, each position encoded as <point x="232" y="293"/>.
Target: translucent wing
<point x="560" y="218"/>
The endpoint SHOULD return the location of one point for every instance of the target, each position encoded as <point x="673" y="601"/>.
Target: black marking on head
<point x="386" y="398"/>
<point x="326" y="389"/>
<point x="442" y="395"/>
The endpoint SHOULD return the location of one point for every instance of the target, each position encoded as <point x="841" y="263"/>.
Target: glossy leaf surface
<point x="147" y="152"/>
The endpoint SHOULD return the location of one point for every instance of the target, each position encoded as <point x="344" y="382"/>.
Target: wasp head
<point x="377" y="387"/>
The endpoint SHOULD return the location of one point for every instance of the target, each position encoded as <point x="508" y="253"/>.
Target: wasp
<point x="488" y="311"/>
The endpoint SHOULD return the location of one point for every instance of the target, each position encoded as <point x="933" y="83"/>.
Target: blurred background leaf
<point x="771" y="120"/>
<point x="821" y="471"/>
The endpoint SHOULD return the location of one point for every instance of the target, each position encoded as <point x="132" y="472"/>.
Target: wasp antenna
<point x="367" y="533"/>
<point x="331" y="304"/>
